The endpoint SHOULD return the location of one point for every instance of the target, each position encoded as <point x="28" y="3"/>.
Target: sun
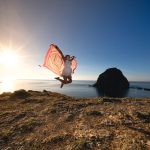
<point x="8" y="57"/>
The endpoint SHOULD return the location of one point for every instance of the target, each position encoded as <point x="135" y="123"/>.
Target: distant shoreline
<point x="78" y="89"/>
<point x="73" y="80"/>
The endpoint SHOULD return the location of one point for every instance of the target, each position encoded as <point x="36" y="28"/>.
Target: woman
<point x="67" y="70"/>
<point x="59" y="64"/>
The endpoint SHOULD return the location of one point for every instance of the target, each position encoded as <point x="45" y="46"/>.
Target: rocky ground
<point x="44" y="120"/>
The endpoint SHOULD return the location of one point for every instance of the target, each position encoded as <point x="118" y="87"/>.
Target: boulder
<point x="112" y="83"/>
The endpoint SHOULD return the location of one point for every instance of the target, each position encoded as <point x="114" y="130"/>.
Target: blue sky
<point x="100" y="33"/>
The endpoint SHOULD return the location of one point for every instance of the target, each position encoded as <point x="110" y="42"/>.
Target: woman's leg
<point x="69" y="79"/>
<point x="66" y="80"/>
<point x="61" y="80"/>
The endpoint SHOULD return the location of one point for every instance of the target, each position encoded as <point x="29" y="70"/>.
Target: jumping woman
<point x="61" y="65"/>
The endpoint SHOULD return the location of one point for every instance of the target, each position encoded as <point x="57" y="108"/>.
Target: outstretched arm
<point x="73" y="57"/>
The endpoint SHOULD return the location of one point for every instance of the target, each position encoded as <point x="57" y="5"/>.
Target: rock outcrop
<point x="112" y="82"/>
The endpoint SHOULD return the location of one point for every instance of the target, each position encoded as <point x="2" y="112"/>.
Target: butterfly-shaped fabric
<point x="54" y="60"/>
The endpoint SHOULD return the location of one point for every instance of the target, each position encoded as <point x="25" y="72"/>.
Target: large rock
<point x="112" y="83"/>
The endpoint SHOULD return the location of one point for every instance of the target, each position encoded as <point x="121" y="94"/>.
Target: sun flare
<point x="8" y="58"/>
<point x="6" y="86"/>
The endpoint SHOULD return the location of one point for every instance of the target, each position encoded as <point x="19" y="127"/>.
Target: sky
<point x="100" y="33"/>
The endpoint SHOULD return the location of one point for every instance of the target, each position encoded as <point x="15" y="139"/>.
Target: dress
<point x="67" y="68"/>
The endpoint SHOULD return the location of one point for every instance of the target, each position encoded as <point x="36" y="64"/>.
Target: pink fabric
<point x="74" y="65"/>
<point x="54" y="60"/>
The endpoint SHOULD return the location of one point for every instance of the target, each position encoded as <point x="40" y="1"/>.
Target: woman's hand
<point x="73" y="57"/>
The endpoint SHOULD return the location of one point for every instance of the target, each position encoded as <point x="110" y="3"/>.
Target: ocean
<point x="78" y="89"/>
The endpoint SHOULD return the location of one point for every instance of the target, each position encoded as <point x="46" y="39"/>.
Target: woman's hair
<point x="67" y="56"/>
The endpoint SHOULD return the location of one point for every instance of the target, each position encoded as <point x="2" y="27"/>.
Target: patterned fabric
<point x="54" y="60"/>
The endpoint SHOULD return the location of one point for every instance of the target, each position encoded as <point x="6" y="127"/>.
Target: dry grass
<point x="44" y="120"/>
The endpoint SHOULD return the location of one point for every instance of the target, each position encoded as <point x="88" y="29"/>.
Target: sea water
<point x="77" y="89"/>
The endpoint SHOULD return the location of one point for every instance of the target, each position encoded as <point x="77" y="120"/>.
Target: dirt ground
<point x="32" y="120"/>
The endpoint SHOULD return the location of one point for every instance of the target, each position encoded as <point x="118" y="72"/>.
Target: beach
<point x="49" y="120"/>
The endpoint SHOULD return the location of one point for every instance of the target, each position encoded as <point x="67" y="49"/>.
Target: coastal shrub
<point x="4" y="113"/>
<point x="29" y="125"/>
<point x="94" y="113"/>
<point x="5" y="94"/>
<point x="144" y="116"/>
<point x="111" y="100"/>
<point x="80" y="144"/>
<point x="70" y="117"/>
<point x="53" y="111"/>
<point x="20" y="94"/>
<point x="20" y="116"/>
<point x="57" y="139"/>
<point x="5" y="135"/>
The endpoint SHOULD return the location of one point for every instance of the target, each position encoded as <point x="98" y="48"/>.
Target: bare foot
<point x="57" y="78"/>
